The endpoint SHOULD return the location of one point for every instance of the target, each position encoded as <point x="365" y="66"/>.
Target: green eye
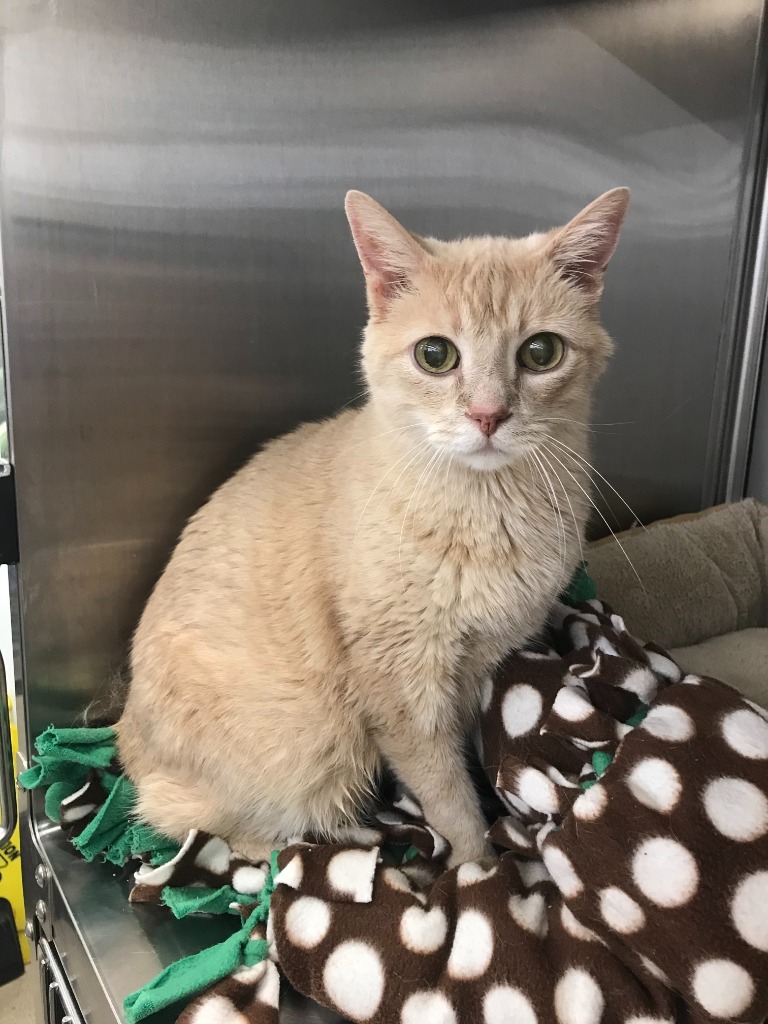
<point x="436" y="355"/>
<point x="541" y="352"/>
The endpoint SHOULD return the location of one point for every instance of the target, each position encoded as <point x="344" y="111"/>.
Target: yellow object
<point x="10" y="866"/>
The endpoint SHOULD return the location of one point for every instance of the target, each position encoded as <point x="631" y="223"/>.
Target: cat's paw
<point x="475" y="853"/>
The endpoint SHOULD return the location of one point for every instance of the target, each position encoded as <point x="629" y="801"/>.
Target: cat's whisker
<point x="588" y="464"/>
<point x="420" y="445"/>
<point x="425" y="480"/>
<point x="375" y="437"/>
<point x="553" y="503"/>
<point x="423" y="473"/>
<point x="562" y="542"/>
<point x="544" y="456"/>
<point x="363" y="394"/>
<point x="594" y="506"/>
<point x="588" y="424"/>
<point x="445" y="484"/>
<point x="593" y="482"/>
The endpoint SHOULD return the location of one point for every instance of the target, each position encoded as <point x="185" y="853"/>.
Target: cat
<point x="339" y="603"/>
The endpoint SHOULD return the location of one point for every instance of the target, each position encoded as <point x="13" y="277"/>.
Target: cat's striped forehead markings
<point x="493" y="285"/>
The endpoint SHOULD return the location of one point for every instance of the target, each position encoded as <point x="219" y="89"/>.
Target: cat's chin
<point x="487" y="460"/>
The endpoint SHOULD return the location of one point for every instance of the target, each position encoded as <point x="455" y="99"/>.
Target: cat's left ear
<point x="390" y="255"/>
<point x="582" y="249"/>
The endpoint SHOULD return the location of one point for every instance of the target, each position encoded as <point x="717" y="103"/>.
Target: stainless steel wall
<point x="179" y="280"/>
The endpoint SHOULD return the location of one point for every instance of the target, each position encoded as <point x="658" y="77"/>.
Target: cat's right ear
<point x="390" y="255"/>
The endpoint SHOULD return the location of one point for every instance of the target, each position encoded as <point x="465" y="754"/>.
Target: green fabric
<point x="63" y="760"/>
<point x="64" y="757"/>
<point x="193" y="899"/>
<point x="601" y="762"/>
<point x="582" y="586"/>
<point x="638" y="717"/>
<point x="193" y="975"/>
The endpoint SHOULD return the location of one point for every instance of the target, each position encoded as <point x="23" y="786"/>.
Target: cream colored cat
<point x="341" y="599"/>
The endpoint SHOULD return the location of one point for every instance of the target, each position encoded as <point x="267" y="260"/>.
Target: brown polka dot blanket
<point x="632" y="876"/>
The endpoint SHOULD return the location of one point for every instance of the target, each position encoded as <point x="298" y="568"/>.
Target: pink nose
<point x="488" y="417"/>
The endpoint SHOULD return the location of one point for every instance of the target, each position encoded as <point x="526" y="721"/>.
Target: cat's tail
<point x="107" y="706"/>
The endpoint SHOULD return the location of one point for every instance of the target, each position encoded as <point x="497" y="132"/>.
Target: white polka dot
<point x="351" y="873"/>
<point x="520" y="710"/>
<point x="250" y="975"/>
<point x="530" y="913"/>
<point x="248" y="880"/>
<point x="571" y="704"/>
<point x="756" y="707"/>
<point x="470" y="873"/>
<point x="656" y="784"/>
<point x="604" y="644"/>
<point x="439" y="847"/>
<point x="559" y="779"/>
<point x="737" y="809"/>
<point x="395" y="879"/>
<point x="579" y="635"/>
<point x="620" y="912"/>
<point x="538" y="791"/>
<point x="749" y="910"/>
<point x="578" y="998"/>
<point x="667" y="722"/>
<point x="472" y="947"/>
<point x="591" y="804"/>
<point x="663" y="665"/>
<point x="292" y="873"/>
<point x="217" y="1010"/>
<point x="655" y="971"/>
<point x="486" y="694"/>
<point x="506" y="1005"/>
<point x="307" y="922"/>
<point x="649" y="1020"/>
<point x="642" y="682"/>
<point x="665" y="872"/>
<point x="409" y="806"/>
<point x="516" y="833"/>
<point x="532" y="872"/>
<point x="423" y="931"/>
<point x="746" y="733"/>
<point x="514" y="802"/>
<point x="575" y="928"/>
<point x="214" y="856"/>
<point x="354" y="979"/>
<point x="427" y="1008"/>
<point x="268" y="991"/>
<point x="562" y="872"/>
<point x="723" y="988"/>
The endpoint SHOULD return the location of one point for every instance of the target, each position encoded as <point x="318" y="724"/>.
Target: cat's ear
<point x="390" y="255"/>
<point x="582" y="249"/>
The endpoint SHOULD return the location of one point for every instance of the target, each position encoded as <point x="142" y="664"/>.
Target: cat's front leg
<point x="432" y="766"/>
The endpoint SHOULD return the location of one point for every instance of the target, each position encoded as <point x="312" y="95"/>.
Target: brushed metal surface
<point x="179" y="280"/>
<point x="181" y="284"/>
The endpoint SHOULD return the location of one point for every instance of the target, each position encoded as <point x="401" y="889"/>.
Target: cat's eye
<point x="541" y="352"/>
<point x="436" y="355"/>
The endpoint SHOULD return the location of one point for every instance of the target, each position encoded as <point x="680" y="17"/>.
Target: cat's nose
<point x="488" y="417"/>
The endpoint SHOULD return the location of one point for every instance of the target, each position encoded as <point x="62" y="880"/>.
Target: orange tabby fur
<point x="342" y="598"/>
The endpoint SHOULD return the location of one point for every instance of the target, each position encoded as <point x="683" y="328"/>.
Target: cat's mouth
<point x="490" y="454"/>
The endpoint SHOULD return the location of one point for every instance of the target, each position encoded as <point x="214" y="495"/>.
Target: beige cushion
<point x="740" y="659"/>
<point x="702" y="576"/>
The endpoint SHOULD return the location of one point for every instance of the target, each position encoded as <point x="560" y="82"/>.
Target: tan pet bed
<point x="705" y="596"/>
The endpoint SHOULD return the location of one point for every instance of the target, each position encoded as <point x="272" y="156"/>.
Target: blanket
<point x="631" y="883"/>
